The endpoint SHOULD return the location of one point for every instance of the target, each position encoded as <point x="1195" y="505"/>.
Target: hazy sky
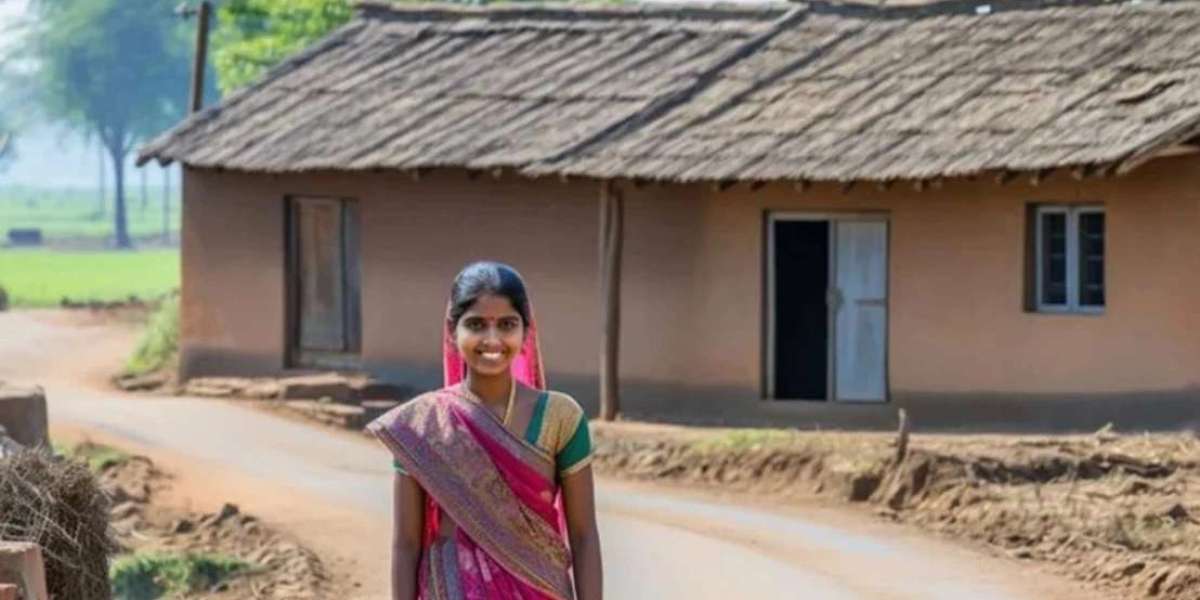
<point x="50" y="156"/>
<point x="10" y="11"/>
<point x="11" y="8"/>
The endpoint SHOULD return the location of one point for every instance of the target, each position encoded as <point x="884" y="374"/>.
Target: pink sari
<point x="494" y="526"/>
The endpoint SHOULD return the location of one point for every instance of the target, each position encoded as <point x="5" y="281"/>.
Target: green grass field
<point x="73" y="262"/>
<point x="42" y="278"/>
<point x="73" y="213"/>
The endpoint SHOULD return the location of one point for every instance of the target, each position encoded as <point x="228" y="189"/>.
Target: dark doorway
<point x="801" y="313"/>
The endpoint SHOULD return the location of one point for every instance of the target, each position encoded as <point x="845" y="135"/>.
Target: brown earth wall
<point x="963" y="351"/>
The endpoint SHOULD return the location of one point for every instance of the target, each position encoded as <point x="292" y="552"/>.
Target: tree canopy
<point x="113" y="69"/>
<point x="253" y="35"/>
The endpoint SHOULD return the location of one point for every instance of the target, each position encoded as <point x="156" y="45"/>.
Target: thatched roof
<point x="813" y="92"/>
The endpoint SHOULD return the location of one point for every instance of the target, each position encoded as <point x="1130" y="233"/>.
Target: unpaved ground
<point x="144" y="519"/>
<point x="345" y="540"/>
<point x="331" y="490"/>
<point x="1118" y="512"/>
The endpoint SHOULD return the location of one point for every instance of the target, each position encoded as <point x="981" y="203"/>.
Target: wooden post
<point x="166" y="206"/>
<point x="902" y="434"/>
<point x="611" y="241"/>
<point x="201" y="55"/>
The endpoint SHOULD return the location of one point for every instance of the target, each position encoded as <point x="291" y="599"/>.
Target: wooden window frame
<point x="1073" y="294"/>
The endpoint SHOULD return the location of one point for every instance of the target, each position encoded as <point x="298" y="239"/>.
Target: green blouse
<point x="558" y="427"/>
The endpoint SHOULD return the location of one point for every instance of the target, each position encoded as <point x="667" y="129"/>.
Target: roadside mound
<point x="1118" y="511"/>
<point x="262" y="563"/>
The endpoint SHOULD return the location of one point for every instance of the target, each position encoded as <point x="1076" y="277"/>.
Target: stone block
<point x="313" y="387"/>
<point x="23" y="414"/>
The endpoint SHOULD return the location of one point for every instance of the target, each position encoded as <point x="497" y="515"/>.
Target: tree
<point x="7" y="144"/>
<point x="9" y="101"/>
<point x="115" y="69"/>
<point x="254" y="35"/>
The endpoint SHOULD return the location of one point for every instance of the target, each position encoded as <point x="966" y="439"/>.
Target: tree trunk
<point x="120" y="223"/>
<point x="145" y="194"/>
<point x="100" y="209"/>
<point x="611" y="242"/>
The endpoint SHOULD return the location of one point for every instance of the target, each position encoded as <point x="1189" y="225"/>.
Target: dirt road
<point x="331" y="489"/>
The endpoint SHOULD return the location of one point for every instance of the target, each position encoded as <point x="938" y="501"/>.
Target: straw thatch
<point x="813" y="92"/>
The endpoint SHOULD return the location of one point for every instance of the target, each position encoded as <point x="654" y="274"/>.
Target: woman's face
<point x="490" y="335"/>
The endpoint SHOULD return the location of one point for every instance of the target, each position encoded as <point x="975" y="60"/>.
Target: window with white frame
<point x="1069" y="249"/>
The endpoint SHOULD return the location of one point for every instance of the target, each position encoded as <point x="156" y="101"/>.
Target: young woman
<point x="492" y="471"/>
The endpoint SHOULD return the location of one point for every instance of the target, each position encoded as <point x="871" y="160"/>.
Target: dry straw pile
<point x="59" y="505"/>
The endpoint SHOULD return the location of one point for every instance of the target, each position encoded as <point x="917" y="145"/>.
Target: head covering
<point x="526" y="368"/>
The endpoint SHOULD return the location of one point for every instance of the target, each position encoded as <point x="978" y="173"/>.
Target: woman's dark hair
<point x="483" y="278"/>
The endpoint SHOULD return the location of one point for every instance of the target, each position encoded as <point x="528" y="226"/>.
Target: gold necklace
<point x="508" y="408"/>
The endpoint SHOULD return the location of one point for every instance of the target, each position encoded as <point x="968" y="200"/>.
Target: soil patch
<point x="280" y="567"/>
<point x="1122" y="512"/>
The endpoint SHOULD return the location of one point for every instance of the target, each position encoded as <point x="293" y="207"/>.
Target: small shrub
<point x="97" y="456"/>
<point x="160" y="341"/>
<point x="152" y="575"/>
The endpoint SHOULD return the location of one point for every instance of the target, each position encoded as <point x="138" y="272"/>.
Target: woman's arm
<point x="580" y="505"/>
<point x="408" y="515"/>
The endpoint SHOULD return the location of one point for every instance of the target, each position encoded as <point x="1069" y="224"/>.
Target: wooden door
<point x="325" y="270"/>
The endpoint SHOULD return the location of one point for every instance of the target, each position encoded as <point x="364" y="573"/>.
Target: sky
<point x="10" y="12"/>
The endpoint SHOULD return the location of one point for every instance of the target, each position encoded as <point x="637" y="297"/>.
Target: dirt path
<point x="330" y="489"/>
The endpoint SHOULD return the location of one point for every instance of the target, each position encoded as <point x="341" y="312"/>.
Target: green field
<point x="72" y="214"/>
<point x="42" y="278"/>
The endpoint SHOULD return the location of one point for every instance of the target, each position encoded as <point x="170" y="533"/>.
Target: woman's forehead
<point x="492" y="306"/>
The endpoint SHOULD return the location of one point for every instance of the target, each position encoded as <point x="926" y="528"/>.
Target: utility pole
<point x="200" y="57"/>
<point x="203" y="16"/>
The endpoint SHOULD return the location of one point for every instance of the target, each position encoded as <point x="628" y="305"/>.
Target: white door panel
<point x="860" y="320"/>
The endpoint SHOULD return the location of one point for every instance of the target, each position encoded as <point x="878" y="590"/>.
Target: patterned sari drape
<point x="494" y="526"/>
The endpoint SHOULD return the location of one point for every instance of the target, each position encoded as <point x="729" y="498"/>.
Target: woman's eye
<point x="508" y="325"/>
<point x="474" y="325"/>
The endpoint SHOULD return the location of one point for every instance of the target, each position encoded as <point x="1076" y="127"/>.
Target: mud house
<point x="816" y="213"/>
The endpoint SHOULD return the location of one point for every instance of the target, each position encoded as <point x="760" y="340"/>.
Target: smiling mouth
<point x="494" y="356"/>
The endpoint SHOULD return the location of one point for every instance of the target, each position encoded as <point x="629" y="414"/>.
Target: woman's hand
<point x="580" y="504"/>
<point x="408" y="516"/>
